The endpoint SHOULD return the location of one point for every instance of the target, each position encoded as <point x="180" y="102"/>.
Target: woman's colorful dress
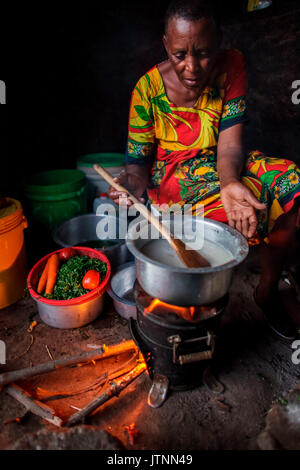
<point x="181" y="144"/>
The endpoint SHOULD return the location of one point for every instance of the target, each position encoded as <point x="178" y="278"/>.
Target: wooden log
<point x="115" y="388"/>
<point x="101" y="353"/>
<point x="35" y="406"/>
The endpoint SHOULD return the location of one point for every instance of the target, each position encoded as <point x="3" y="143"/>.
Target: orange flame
<point x="185" y="312"/>
<point x="254" y="241"/>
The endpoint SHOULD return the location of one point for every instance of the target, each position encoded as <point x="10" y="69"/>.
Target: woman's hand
<point x="240" y="204"/>
<point x="131" y="181"/>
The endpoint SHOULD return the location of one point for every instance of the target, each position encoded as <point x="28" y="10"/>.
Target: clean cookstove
<point x="178" y="343"/>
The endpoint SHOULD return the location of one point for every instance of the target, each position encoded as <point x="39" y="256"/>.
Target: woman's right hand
<point x="134" y="183"/>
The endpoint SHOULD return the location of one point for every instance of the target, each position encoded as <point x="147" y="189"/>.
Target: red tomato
<point x="91" y="279"/>
<point x="66" y="254"/>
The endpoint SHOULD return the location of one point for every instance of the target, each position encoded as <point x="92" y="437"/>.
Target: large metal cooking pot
<point x="188" y="286"/>
<point x="83" y="229"/>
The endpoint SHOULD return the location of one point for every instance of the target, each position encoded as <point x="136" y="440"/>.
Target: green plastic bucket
<point x="114" y="164"/>
<point x="54" y="196"/>
<point x="104" y="159"/>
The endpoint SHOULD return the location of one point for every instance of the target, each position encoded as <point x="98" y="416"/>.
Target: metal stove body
<point x="177" y="343"/>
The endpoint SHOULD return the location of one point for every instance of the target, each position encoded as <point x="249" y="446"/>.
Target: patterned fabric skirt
<point x="190" y="177"/>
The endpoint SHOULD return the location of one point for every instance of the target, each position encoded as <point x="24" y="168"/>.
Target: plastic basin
<point x="72" y="313"/>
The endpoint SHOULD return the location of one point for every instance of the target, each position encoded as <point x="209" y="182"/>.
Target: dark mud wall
<point x="72" y="69"/>
<point x="269" y="47"/>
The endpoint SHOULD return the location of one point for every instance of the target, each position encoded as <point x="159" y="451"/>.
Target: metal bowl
<point x="83" y="229"/>
<point x="75" y="312"/>
<point x="70" y="316"/>
<point x="188" y="286"/>
<point x="121" y="290"/>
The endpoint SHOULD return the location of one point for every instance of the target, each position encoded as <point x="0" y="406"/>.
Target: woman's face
<point x="192" y="48"/>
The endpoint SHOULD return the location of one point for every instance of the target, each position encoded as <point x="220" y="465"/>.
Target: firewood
<point x="44" y="396"/>
<point x="115" y="388"/>
<point x="35" y="406"/>
<point x="101" y="353"/>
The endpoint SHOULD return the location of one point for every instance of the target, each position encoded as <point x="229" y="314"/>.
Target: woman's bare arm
<point x="143" y="171"/>
<point x="238" y="201"/>
<point x="230" y="155"/>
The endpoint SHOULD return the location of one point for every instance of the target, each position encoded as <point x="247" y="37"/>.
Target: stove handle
<point x="192" y="357"/>
<point x="195" y="357"/>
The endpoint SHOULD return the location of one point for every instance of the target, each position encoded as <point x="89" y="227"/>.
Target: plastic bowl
<point x="72" y="313"/>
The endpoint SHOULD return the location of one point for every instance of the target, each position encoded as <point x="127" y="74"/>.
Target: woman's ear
<point x="165" y="41"/>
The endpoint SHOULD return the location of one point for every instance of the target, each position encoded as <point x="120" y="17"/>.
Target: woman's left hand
<point x="240" y="204"/>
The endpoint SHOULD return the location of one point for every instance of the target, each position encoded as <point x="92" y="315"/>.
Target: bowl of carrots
<point x="68" y="286"/>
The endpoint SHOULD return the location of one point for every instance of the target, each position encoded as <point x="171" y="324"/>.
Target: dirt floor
<point x="254" y="366"/>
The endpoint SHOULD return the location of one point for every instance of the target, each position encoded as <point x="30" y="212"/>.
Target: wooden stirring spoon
<point x="191" y="258"/>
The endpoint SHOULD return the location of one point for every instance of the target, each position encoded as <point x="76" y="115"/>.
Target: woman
<point x="185" y="146"/>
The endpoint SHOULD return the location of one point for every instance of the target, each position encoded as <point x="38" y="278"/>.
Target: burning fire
<point x="192" y="314"/>
<point x="158" y="306"/>
<point x="254" y="241"/>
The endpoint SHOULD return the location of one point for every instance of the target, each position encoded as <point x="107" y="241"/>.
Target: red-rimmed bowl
<point x="72" y="313"/>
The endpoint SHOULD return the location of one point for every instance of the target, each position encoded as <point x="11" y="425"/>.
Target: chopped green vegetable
<point x="69" y="279"/>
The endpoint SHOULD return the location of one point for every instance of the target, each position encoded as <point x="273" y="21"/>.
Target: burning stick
<point x="35" y="406"/>
<point x="44" y="395"/>
<point x="101" y="353"/>
<point x="114" y="390"/>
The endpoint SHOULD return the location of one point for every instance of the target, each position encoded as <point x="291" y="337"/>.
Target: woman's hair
<point x="191" y="10"/>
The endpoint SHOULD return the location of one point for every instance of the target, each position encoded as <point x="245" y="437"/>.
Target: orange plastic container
<point x="13" y="268"/>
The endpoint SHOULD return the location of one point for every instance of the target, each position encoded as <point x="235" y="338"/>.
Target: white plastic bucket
<point x="112" y="162"/>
